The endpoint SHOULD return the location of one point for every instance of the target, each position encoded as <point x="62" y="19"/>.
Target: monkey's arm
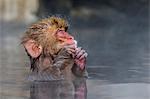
<point x="63" y="59"/>
<point x="78" y="70"/>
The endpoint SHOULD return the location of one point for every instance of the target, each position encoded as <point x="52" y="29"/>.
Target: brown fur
<point x="42" y="33"/>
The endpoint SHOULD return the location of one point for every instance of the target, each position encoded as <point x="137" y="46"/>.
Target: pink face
<point x="64" y="37"/>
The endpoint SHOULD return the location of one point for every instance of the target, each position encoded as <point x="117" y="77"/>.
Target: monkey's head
<point x="48" y="36"/>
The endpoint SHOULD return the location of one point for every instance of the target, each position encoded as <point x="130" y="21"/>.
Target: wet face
<point x="64" y="37"/>
<point x="57" y="38"/>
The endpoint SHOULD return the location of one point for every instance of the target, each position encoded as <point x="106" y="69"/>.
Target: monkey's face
<point x="55" y="39"/>
<point x="64" y="38"/>
<point x="59" y="37"/>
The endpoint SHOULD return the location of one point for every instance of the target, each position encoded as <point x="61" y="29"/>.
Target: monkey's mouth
<point x="62" y="40"/>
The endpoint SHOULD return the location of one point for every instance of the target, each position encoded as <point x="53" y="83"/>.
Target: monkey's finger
<point x="70" y="48"/>
<point x="83" y="56"/>
<point x="71" y="51"/>
<point x="78" y="50"/>
<point x="79" y="54"/>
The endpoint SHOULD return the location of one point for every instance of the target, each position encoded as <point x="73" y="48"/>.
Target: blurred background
<point x="115" y="33"/>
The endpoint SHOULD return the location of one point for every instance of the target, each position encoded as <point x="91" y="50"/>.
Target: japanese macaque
<point x="53" y="51"/>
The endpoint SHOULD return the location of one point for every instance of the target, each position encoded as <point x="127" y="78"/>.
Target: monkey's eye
<point x="60" y="32"/>
<point x="61" y="41"/>
<point x="66" y="28"/>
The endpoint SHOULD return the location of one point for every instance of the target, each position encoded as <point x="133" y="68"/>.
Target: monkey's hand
<point x="71" y="49"/>
<point x="64" y="58"/>
<point x="80" y="57"/>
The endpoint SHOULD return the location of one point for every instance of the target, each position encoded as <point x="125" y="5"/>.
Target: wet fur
<point x="41" y="33"/>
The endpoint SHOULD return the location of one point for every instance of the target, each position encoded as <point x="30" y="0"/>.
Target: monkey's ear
<point x="33" y="48"/>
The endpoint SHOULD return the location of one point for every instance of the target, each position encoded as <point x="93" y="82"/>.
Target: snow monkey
<point x="53" y="52"/>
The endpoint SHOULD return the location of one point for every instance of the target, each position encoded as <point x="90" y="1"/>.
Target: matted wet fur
<point x="41" y="33"/>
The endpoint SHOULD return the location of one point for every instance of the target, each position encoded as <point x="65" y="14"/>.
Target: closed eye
<point x="61" y="41"/>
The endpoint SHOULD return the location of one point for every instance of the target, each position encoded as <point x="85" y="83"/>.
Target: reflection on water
<point x="59" y="90"/>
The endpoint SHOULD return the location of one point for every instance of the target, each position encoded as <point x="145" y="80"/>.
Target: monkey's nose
<point x="68" y="36"/>
<point x="71" y="37"/>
